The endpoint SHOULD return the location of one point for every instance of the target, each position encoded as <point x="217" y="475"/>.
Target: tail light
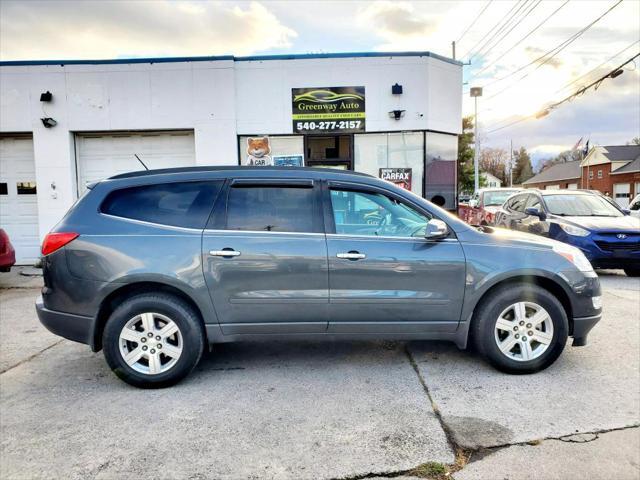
<point x="55" y="241"/>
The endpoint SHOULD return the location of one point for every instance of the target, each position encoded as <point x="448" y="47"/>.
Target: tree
<point x="465" y="156"/>
<point x="522" y="170"/>
<point x="562" y="157"/>
<point x="634" y="141"/>
<point x="494" y="161"/>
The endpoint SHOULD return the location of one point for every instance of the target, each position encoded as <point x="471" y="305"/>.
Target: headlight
<point x="575" y="231"/>
<point x="574" y="255"/>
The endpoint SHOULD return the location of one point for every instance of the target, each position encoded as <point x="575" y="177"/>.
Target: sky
<point x="497" y="37"/>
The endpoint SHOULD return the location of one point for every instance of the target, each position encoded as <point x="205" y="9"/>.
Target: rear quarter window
<point x="183" y="204"/>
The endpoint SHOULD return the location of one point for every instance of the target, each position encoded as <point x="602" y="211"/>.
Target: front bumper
<point x="72" y="327"/>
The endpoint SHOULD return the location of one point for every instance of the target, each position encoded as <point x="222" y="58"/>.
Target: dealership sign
<point x="398" y="176"/>
<point x="328" y="109"/>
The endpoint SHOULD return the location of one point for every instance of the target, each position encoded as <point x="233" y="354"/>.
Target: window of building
<point x="185" y="204"/>
<point x="268" y="147"/>
<point x="271" y="209"/>
<point x="440" y="170"/>
<point x="599" y="173"/>
<point x="3" y="188"/>
<point x="590" y="174"/>
<point x="361" y="213"/>
<point x="373" y="151"/>
<point x="26" y="188"/>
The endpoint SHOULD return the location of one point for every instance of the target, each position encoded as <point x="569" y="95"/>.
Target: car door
<point x="384" y="275"/>
<point x="265" y="258"/>
<point x="516" y="212"/>
<point x="532" y="223"/>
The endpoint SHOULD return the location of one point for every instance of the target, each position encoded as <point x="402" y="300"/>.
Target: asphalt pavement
<point x="322" y="410"/>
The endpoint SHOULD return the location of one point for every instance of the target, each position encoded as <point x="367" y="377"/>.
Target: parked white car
<point x="634" y="206"/>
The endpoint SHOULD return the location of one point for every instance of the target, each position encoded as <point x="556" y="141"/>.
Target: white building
<point x="491" y="181"/>
<point x="200" y="111"/>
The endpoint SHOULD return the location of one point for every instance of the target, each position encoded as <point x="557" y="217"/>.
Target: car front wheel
<point x="153" y="340"/>
<point x="520" y="328"/>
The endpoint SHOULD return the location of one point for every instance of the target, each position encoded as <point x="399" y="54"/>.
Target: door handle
<point x="351" y="255"/>
<point x="227" y="252"/>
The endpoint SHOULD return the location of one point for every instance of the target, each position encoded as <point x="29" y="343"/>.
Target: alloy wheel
<point x="524" y="331"/>
<point x="150" y="343"/>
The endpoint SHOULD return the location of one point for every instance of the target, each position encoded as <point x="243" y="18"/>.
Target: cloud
<point x="112" y="29"/>
<point x="396" y="19"/>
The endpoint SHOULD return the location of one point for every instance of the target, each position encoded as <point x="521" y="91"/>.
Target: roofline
<point x="618" y="172"/>
<point x="251" y="58"/>
<point x="526" y="182"/>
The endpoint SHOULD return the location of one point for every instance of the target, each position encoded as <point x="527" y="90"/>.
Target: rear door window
<point x="517" y="203"/>
<point x="267" y="208"/>
<point x="183" y="204"/>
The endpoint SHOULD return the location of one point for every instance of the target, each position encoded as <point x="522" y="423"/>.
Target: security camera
<point x="48" y="122"/>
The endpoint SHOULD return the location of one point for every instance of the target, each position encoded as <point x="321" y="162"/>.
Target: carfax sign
<point x="328" y="109"/>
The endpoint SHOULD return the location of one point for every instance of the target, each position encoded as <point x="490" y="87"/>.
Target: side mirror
<point x="534" y="212"/>
<point x="626" y="211"/>
<point x="436" y="229"/>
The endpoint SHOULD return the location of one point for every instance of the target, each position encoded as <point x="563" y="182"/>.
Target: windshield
<point x="580" y="206"/>
<point x="497" y="197"/>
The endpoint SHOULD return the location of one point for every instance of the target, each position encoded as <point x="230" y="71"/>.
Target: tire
<point x="632" y="272"/>
<point x="499" y="317"/>
<point x="132" y="319"/>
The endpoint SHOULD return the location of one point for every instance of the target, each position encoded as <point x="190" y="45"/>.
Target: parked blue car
<point x="607" y="235"/>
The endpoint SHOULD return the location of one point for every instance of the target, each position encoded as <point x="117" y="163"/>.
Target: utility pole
<point x="453" y="49"/>
<point x="511" y="164"/>
<point x="476" y="92"/>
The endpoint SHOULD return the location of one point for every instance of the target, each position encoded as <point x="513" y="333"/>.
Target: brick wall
<point x="604" y="184"/>
<point x="630" y="178"/>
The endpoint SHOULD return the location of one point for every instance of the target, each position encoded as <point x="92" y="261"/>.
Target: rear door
<point x="516" y="208"/>
<point x="265" y="258"/>
<point x="385" y="277"/>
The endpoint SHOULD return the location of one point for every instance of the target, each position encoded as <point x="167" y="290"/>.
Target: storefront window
<point x="399" y="154"/>
<point x="440" y="174"/>
<point x="271" y="150"/>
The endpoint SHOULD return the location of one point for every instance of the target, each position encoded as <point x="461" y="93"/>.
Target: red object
<point x="55" y="241"/>
<point x="7" y="252"/>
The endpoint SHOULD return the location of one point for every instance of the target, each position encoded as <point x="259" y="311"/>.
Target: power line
<point x="520" y="5"/>
<point x="523" y="38"/>
<point x="611" y="74"/>
<point x="532" y="7"/>
<point x="556" y="50"/>
<point x="596" y="68"/>
<point x="491" y="30"/>
<point x="474" y="20"/>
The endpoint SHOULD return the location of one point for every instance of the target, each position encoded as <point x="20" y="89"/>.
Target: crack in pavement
<point x="31" y="357"/>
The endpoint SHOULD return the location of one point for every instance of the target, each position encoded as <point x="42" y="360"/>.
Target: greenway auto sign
<point x="328" y="109"/>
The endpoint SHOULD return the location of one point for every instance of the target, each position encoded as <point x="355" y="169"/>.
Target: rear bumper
<point x="72" y="327"/>
<point x="7" y="260"/>
<point x="581" y="328"/>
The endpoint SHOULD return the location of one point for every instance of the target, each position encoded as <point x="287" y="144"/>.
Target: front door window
<point x="363" y="213"/>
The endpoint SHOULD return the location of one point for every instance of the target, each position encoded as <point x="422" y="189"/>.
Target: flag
<point x="586" y="149"/>
<point x="578" y="143"/>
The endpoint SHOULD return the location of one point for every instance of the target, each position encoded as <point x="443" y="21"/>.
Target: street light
<point x="475" y="93"/>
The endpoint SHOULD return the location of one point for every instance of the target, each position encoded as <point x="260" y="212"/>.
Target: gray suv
<point x="152" y="267"/>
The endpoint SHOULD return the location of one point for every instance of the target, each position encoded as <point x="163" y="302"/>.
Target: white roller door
<point x="102" y="155"/>
<point x="622" y="194"/>
<point x="18" y="199"/>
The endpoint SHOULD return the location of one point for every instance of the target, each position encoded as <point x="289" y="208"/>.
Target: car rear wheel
<point x="521" y="328"/>
<point x="153" y="340"/>
<point x="632" y="272"/>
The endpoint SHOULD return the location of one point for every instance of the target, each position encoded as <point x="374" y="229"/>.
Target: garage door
<point x="621" y="194"/>
<point x="18" y="199"/>
<point x="101" y="155"/>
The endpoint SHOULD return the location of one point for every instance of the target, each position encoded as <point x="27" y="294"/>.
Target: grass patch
<point x="431" y="470"/>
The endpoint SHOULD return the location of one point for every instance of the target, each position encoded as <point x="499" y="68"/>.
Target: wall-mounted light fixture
<point x="46" y="96"/>
<point x="396" y="89"/>
<point x="48" y="122"/>
<point x="396" y="114"/>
